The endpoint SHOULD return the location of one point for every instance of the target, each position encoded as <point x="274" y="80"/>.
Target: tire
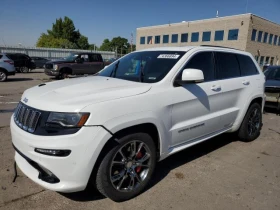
<point x="3" y="76"/>
<point x="24" y="69"/>
<point x="130" y="173"/>
<point x="252" y="124"/>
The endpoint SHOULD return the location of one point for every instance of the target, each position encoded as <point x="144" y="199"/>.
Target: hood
<point x="59" y="61"/>
<point x="72" y="95"/>
<point x="272" y="83"/>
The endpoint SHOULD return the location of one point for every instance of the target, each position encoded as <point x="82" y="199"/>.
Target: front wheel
<point x="252" y="124"/>
<point x="126" y="170"/>
<point x="24" y="69"/>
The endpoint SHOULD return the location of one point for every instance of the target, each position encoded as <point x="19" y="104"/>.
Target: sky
<point x="22" y="21"/>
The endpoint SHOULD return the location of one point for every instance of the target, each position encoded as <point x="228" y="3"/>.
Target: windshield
<point x="71" y="57"/>
<point x="147" y="66"/>
<point x="272" y="73"/>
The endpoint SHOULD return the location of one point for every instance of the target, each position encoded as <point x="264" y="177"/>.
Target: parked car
<point x="272" y="87"/>
<point x="39" y="61"/>
<point x="75" y="64"/>
<point x="109" y="130"/>
<point x="22" y="62"/>
<point x="6" y="67"/>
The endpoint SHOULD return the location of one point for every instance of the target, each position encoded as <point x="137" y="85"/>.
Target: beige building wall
<point x="245" y="23"/>
<point x="240" y="22"/>
<point x="264" y="49"/>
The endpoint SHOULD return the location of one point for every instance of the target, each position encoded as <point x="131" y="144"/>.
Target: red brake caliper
<point x="138" y="156"/>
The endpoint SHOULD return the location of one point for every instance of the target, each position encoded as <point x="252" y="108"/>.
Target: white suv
<point x="109" y="130"/>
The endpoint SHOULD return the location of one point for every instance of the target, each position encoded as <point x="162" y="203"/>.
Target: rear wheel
<point x="126" y="170"/>
<point x="252" y="124"/>
<point x="24" y="69"/>
<point x="3" y="76"/>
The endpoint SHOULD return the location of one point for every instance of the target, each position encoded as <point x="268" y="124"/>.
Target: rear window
<point x="95" y="58"/>
<point x="228" y="66"/>
<point x="247" y="66"/>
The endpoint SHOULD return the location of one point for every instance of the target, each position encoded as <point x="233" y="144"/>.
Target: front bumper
<point x="51" y="72"/>
<point x="72" y="171"/>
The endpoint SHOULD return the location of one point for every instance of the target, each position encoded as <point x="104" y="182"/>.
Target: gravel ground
<point x="222" y="173"/>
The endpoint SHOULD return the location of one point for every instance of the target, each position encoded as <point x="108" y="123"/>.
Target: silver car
<point x="7" y="67"/>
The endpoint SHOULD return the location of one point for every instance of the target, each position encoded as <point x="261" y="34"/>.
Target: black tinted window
<point x="94" y="58"/>
<point x="204" y="62"/>
<point x="195" y="37"/>
<point x="233" y="34"/>
<point x="165" y="38"/>
<point x="1" y="56"/>
<point x="12" y="56"/>
<point x="184" y="37"/>
<point x="174" y="38"/>
<point x="265" y="37"/>
<point x="247" y="66"/>
<point x="227" y="66"/>
<point x="206" y="36"/>
<point x="260" y="36"/>
<point x="142" y="40"/>
<point x="219" y="35"/>
<point x="253" y="37"/>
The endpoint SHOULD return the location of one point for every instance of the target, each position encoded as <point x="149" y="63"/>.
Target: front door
<point x="83" y="66"/>
<point x="196" y="110"/>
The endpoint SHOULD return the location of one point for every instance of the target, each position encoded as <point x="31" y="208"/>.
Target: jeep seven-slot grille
<point x="26" y="117"/>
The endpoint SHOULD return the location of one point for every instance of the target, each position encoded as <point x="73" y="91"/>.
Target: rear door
<point x="96" y="63"/>
<point x="81" y="68"/>
<point x="235" y="87"/>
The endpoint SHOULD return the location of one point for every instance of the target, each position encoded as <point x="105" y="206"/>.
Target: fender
<point x="242" y="114"/>
<point x="116" y="124"/>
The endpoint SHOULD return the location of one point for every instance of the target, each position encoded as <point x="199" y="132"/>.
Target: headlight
<point x="55" y="67"/>
<point x="68" y="120"/>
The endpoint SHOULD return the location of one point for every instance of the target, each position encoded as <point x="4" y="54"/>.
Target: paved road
<point x="221" y="173"/>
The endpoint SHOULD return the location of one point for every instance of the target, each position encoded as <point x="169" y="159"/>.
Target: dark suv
<point x="23" y="63"/>
<point x="75" y="64"/>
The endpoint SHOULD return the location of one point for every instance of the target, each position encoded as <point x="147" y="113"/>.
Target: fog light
<point x="53" y="152"/>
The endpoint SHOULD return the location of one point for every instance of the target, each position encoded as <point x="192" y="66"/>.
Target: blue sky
<point x="22" y="21"/>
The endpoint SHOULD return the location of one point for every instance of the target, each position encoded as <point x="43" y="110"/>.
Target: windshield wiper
<point x="113" y="73"/>
<point x="141" y="71"/>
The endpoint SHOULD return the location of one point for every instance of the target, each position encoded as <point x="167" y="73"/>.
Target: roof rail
<point x="220" y="47"/>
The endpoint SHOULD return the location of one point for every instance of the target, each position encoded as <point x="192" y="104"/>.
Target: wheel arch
<point x="5" y="70"/>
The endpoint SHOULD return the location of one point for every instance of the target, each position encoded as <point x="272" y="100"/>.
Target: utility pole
<point x="131" y="42"/>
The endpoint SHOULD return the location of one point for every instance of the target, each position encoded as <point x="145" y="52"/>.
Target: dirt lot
<point x="221" y="173"/>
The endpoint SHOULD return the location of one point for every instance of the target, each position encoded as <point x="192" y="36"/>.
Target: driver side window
<point x="203" y="61"/>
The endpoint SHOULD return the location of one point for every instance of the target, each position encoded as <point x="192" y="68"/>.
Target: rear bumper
<point x="11" y="73"/>
<point x="51" y="72"/>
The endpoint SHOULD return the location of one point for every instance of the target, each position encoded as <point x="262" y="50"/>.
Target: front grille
<point x="48" y="65"/>
<point x="26" y="117"/>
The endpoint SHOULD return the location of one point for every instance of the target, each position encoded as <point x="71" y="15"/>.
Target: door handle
<point x="216" y="87"/>
<point x="246" y="82"/>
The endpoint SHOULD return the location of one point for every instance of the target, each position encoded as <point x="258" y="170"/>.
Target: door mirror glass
<point x="192" y="75"/>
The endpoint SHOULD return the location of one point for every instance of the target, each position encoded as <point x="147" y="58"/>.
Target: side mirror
<point x="192" y="75"/>
<point x="79" y="60"/>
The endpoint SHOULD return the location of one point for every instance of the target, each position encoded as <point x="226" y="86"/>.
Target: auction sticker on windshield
<point x="169" y="56"/>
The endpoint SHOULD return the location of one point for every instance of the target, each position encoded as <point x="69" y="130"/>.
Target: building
<point x="247" y="32"/>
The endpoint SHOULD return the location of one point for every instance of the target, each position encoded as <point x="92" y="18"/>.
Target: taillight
<point x="9" y="61"/>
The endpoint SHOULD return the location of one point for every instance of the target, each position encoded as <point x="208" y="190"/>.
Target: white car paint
<point x="114" y="104"/>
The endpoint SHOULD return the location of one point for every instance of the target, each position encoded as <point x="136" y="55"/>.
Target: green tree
<point x="93" y="47"/>
<point x="106" y="45"/>
<point x="63" y="35"/>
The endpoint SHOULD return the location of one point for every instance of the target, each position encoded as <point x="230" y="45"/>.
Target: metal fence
<point x="50" y="53"/>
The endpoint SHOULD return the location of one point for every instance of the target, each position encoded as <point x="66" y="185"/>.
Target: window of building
<point x="279" y="41"/>
<point x="204" y="62"/>
<point x="266" y="60"/>
<point x="219" y="35"/>
<point x="247" y="66"/>
<point x="270" y="38"/>
<point x="165" y="38"/>
<point x="228" y="66"/>
<point x="195" y="37"/>
<point x="157" y="39"/>
<point x="174" y="38"/>
<point x="233" y="34"/>
<point x="184" y="37"/>
<point x="260" y="36"/>
<point x="275" y="40"/>
<point x="150" y="40"/>
<point x="265" y="37"/>
<point x="271" y="61"/>
<point x="254" y="33"/>
<point x="262" y="60"/>
<point x="142" y="40"/>
<point x="206" y="36"/>
<point x="257" y="58"/>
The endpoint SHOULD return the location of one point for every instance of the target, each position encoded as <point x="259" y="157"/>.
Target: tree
<point x="117" y="44"/>
<point x="92" y="47"/>
<point x="63" y="35"/>
<point x="106" y="45"/>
